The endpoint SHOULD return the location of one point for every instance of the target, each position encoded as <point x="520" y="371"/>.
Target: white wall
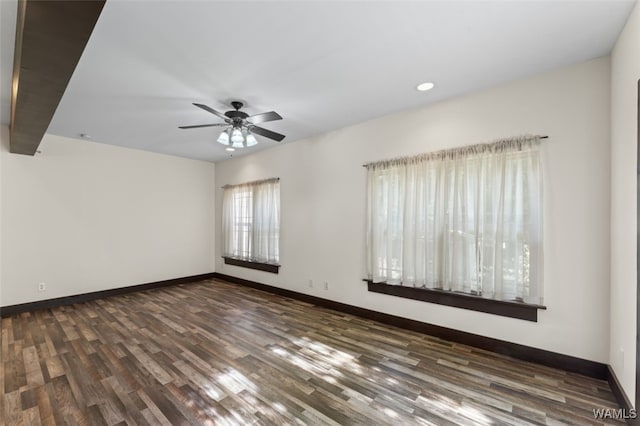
<point x="625" y="72"/>
<point x="83" y="216"/>
<point x="323" y="203"/>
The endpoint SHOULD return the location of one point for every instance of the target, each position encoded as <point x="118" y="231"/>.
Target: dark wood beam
<point x="50" y="38"/>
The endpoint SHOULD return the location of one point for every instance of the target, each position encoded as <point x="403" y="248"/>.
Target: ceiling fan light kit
<point x="223" y="138"/>
<point x="240" y="126"/>
<point x="251" y="140"/>
<point x="236" y="137"/>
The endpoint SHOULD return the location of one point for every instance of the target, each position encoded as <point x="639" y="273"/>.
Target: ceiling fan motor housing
<point x="237" y="116"/>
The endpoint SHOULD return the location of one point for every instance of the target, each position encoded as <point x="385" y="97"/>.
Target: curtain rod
<point x="368" y="164"/>
<point x="253" y="182"/>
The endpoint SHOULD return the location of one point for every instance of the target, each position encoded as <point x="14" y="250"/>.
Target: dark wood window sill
<point x="512" y="309"/>
<point x="267" y="267"/>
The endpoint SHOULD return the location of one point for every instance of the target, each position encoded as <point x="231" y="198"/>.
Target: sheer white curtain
<point x="467" y="220"/>
<point x="251" y="221"/>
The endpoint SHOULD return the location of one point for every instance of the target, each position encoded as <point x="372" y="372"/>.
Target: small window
<point x="251" y="223"/>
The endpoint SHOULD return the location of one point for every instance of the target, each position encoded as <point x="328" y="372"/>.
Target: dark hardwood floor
<point x="215" y="353"/>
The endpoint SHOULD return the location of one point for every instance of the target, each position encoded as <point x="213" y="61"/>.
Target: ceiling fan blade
<point x="212" y="111"/>
<point x="266" y="133"/>
<point x="202" y="125"/>
<point x="265" y="116"/>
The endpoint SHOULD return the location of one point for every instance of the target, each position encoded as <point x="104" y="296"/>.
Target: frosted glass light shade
<point x="251" y="140"/>
<point x="236" y="136"/>
<point x="223" y="138"/>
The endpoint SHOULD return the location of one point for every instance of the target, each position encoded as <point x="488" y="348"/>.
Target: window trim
<point x="266" y="267"/>
<point x="511" y="309"/>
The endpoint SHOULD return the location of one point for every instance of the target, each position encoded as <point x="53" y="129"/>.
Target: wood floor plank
<point x="31" y="417"/>
<point x="12" y="412"/>
<point x="215" y="353"/>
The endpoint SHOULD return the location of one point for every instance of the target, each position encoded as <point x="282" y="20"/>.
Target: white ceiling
<point x="321" y="65"/>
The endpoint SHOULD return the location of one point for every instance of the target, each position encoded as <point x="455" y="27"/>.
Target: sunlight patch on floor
<point x="328" y="356"/>
<point x="475" y="415"/>
<point x="211" y="392"/>
<point x="319" y="359"/>
<point x="279" y="407"/>
<point x="235" y="381"/>
<point x="390" y="413"/>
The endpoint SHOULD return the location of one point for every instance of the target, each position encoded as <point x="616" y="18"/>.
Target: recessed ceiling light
<point x="425" y="86"/>
<point x="230" y="149"/>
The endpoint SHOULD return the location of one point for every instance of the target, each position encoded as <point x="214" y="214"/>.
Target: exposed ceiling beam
<point x="50" y="38"/>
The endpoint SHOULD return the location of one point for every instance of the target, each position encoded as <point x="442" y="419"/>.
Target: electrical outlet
<point x="326" y="285"/>
<point x="310" y="283"/>
<point x="42" y="286"/>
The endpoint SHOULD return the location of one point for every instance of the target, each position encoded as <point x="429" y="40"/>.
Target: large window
<point x="467" y="220"/>
<point x="251" y="222"/>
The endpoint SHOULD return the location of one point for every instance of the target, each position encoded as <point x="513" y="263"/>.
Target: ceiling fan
<point x="240" y="126"/>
